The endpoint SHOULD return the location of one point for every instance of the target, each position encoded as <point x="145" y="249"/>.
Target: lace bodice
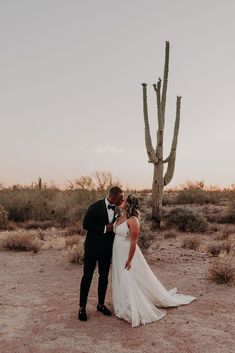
<point x="121" y="230"/>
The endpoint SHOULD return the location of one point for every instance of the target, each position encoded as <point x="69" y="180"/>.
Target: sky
<point x="71" y="94"/>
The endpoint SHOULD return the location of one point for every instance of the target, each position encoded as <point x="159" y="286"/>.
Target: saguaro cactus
<point x="156" y="155"/>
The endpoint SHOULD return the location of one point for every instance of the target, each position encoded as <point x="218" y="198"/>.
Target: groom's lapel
<point x="104" y="209"/>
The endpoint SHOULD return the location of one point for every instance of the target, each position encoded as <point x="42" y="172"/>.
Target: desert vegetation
<point x="42" y="252"/>
<point x="200" y="217"/>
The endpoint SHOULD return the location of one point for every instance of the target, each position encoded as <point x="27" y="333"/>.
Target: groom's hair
<point x="115" y="190"/>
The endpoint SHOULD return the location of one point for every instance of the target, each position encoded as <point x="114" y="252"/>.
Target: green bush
<point x="186" y="220"/>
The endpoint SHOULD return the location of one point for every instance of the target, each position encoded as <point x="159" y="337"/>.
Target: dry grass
<point x="217" y="248"/>
<point x="193" y="243"/>
<point x="74" y="229"/>
<point x="21" y="241"/>
<point x="76" y="252"/>
<point x="32" y="224"/>
<point x="72" y="240"/>
<point x="225" y="232"/>
<point x="170" y="234"/>
<point x="222" y="271"/>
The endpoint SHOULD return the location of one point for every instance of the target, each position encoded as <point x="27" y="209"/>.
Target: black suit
<point x="98" y="248"/>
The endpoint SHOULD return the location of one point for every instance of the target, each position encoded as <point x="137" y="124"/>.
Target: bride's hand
<point x="128" y="265"/>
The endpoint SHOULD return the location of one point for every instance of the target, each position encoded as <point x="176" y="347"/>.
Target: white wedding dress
<point x="137" y="292"/>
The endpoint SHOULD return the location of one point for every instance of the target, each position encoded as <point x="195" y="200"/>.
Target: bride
<point x="136" y="290"/>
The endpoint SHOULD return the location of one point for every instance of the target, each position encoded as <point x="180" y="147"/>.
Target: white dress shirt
<point x="110" y="213"/>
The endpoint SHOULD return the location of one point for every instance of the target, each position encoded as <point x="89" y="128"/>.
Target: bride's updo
<point x="132" y="206"/>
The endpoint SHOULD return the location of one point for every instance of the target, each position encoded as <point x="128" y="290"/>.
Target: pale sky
<point x="71" y="95"/>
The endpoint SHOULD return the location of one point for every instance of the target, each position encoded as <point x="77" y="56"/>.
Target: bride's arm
<point x="134" y="227"/>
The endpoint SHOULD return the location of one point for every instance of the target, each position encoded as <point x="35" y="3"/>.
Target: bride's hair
<point x="132" y="206"/>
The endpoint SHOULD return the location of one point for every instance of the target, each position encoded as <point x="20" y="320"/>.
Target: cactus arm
<point x="159" y="149"/>
<point x="165" y="80"/>
<point x="148" y="142"/>
<point x="157" y="89"/>
<point x="171" y="159"/>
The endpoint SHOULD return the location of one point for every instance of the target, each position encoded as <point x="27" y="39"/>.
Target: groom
<point x="98" y="222"/>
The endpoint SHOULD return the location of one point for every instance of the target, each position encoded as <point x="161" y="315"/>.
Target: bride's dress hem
<point x="137" y="293"/>
<point x="141" y="322"/>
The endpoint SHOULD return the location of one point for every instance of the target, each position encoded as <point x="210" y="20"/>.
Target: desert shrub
<point x="32" y="224"/>
<point x="186" y="220"/>
<point x="221" y="270"/>
<point x="225" y="232"/>
<point x="21" y="241"/>
<point x="26" y="204"/>
<point x="169" y="198"/>
<point x="169" y="234"/>
<point x="146" y="237"/>
<point x="193" y="243"/>
<point x="3" y="218"/>
<point x="229" y="214"/>
<point x="74" y="229"/>
<point x="60" y="206"/>
<point x="72" y="240"/>
<point x="196" y="195"/>
<point x="76" y="253"/>
<point x="217" y="248"/>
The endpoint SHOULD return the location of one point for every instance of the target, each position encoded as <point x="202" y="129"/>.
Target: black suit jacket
<point x="94" y="222"/>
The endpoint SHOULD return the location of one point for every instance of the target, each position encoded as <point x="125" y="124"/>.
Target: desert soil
<point x="39" y="302"/>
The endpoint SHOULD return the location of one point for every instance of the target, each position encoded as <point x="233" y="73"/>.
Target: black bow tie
<point x="112" y="207"/>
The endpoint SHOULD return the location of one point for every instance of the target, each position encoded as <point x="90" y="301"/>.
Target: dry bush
<point x="3" y="218"/>
<point x="74" y="229"/>
<point x="60" y="206"/>
<point x="217" y="248"/>
<point x="193" y="243"/>
<point x="21" y="241"/>
<point x="72" y="240"/>
<point x="221" y="270"/>
<point x="97" y="181"/>
<point x="186" y="220"/>
<point x="146" y="238"/>
<point x="226" y="229"/>
<point x="32" y="224"/>
<point x="225" y="232"/>
<point x="169" y="234"/>
<point x="229" y="213"/>
<point x="76" y="253"/>
<point x="196" y="195"/>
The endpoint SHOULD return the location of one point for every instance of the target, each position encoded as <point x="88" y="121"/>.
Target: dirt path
<point x="39" y="302"/>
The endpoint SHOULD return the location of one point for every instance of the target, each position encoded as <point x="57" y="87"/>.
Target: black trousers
<point x="90" y="261"/>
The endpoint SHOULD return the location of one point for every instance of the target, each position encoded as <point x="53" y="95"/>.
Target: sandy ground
<point x="39" y="303"/>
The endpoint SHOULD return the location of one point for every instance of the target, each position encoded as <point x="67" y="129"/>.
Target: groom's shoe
<point x="104" y="310"/>
<point x="82" y="316"/>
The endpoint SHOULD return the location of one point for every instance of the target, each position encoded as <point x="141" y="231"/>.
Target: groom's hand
<point x="109" y="227"/>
